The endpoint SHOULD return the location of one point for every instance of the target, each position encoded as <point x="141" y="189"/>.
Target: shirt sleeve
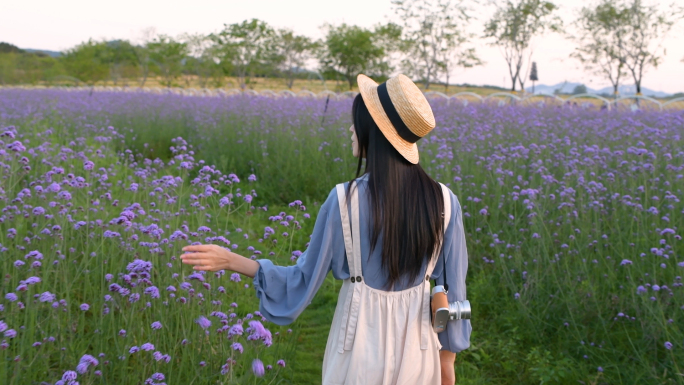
<point x="285" y="291"/>
<point x="456" y="337"/>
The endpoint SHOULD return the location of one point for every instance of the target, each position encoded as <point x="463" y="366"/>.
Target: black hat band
<point x="393" y="115"/>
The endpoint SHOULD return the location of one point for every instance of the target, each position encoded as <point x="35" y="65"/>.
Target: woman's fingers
<point x="192" y="255"/>
<point x="198" y="248"/>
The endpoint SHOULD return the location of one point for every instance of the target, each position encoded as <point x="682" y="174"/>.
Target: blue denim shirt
<point x="285" y="291"/>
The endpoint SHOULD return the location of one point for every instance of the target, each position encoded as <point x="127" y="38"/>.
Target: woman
<point x="405" y="228"/>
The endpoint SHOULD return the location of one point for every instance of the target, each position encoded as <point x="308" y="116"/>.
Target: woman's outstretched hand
<point x="215" y="258"/>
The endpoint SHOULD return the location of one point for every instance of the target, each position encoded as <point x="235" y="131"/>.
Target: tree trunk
<point x="290" y="80"/>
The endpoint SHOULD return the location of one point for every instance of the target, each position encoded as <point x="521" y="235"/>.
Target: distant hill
<point x="49" y="53"/>
<point x="568" y="88"/>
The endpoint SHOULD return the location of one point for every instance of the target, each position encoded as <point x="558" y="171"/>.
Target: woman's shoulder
<point x="455" y="203"/>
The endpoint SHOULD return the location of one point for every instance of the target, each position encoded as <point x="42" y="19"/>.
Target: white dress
<point x="380" y="337"/>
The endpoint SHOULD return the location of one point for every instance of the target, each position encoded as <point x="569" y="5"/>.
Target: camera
<point x="443" y="311"/>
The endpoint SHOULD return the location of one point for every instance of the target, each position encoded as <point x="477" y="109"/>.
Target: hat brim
<point x="369" y="92"/>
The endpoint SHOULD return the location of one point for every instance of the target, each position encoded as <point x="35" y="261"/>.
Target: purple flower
<point x="156" y="325"/>
<point x="252" y="178"/>
<point x="668" y="345"/>
<point x="235" y="277"/>
<point x="641" y="289"/>
<point x="11" y="333"/>
<point x="235" y="330"/>
<point x="258" y="367"/>
<point x="47" y="297"/>
<point x="203" y="322"/>
<point x="281" y="363"/>
<point x="152" y="291"/>
<point x="31" y="280"/>
<point x="147" y="347"/>
<point x="625" y="262"/>
<point x="238" y="346"/>
<point x="260" y="332"/>
<point x="157" y="377"/>
<point x="84" y="307"/>
<point x="134" y="349"/>
<point x="11" y="297"/>
<point x="86" y="361"/>
<point x="69" y="375"/>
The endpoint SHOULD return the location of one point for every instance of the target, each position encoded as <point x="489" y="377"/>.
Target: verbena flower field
<point x="573" y="218"/>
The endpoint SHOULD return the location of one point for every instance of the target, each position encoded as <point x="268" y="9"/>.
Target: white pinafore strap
<point x="353" y="251"/>
<point x="352" y="245"/>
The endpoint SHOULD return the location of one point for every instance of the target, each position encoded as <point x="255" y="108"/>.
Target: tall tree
<point x="167" y="54"/>
<point x="202" y="61"/>
<point x="350" y="50"/>
<point x="646" y="28"/>
<point x="292" y="51"/>
<point x="119" y="54"/>
<point x="512" y="28"/>
<point x="434" y="38"/>
<point x="534" y="76"/>
<point x="142" y="53"/>
<point x="87" y="62"/>
<point x="248" y="46"/>
<point x="599" y="33"/>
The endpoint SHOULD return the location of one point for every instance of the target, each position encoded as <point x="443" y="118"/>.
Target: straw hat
<point x="400" y="110"/>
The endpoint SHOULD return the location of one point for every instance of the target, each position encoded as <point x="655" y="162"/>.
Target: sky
<point x="58" y="25"/>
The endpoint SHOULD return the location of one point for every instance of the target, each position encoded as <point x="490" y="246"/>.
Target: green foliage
<point x="292" y="52"/>
<point x="547" y="369"/>
<point x="598" y="35"/>
<point x="168" y="55"/>
<point x="617" y="38"/>
<point x="645" y="27"/>
<point x="88" y="62"/>
<point x="249" y="48"/>
<point x="120" y="56"/>
<point x="350" y="50"/>
<point x="579" y="89"/>
<point x="9" y="48"/>
<point x="434" y="38"/>
<point x="513" y="26"/>
<point x="19" y="67"/>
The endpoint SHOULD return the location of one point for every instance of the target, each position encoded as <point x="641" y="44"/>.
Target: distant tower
<point x="533" y="74"/>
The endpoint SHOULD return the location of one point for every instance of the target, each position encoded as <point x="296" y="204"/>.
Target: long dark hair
<point x="406" y="203"/>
